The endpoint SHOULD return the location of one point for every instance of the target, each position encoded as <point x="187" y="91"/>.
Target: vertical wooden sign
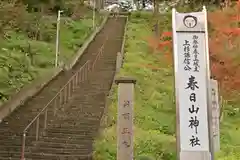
<point x="125" y="118"/>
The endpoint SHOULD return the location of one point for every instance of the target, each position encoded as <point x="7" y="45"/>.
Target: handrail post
<point x="45" y="121"/>
<point x="83" y="76"/>
<point x="55" y="106"/>
<point x="37" y="129"/>
<point x="65" y="94"/>
<point x="89" y="67"/>
<point x="84" y="69"/>
<point x="23" y="146"/>
<point x="76" y="80"/>
<point x="69" y="89"/>
<point x="74" y="83"/>
<point x="80" y="77"/>
<point x="60" y="99"/>
<point x="93" y="64"/>
<point x="45" y="118"/>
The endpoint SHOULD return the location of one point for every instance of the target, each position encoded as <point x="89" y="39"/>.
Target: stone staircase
<point x="71" y="132"/>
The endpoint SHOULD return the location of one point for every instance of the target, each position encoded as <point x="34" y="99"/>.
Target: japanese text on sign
<point x="192" y="92"/>
<point x="193" y="122"/>
<point x="126" y="133"/>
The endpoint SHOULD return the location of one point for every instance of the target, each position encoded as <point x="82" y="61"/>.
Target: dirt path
<point x="83" y="113"/>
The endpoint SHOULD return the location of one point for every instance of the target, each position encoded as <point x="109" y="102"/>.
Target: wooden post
<point x="125" y="118"/>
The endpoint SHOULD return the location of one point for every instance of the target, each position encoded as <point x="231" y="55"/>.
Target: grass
<point x="23" y="59"/>
<point x="154" y="109"/>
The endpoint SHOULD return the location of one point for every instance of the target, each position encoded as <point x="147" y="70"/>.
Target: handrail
<point x="66" y="90"/>
<point x="48" y="104"/>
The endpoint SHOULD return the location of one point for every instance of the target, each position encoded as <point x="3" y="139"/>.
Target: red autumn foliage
<point x="223" y="44"/>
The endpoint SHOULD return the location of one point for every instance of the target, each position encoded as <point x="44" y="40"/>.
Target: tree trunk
<point x="143" y="4"/>
<point x="182" y="2"/>
<point x="156" y="6"/>
<point x="98" y="4"/>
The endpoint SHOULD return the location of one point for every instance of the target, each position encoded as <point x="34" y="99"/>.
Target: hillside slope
<point x="27" y="43"/>
<point x="154" y="110"/>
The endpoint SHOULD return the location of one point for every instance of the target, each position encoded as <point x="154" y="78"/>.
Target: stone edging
<point x="37" y="85"/>
<point x="124" y="41"/>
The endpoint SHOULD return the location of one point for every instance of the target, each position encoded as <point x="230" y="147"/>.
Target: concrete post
<point x="125" y="118"/>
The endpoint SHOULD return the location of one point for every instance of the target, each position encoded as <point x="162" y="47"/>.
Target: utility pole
<point x="57" y="38"/>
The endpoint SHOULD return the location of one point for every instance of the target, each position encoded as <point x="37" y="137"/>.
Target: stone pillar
<point x="125" y="118"/>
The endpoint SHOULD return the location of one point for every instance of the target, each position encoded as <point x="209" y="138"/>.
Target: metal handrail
<point x="48" y="104"/>
<point x="72" y="82"/>
<point x="100" y="52"/>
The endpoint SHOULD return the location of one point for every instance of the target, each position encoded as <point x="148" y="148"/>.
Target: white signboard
<point x="191" y="80"/>
<point x="215" y="115"/>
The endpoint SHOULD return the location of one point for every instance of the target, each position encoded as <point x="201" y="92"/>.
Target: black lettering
<point x="194" y="123"/>
<point x="194" y="141"/>
<point x="192" y="97"/>
<point x="192" y="84"/>
<point x="193" y="109"/>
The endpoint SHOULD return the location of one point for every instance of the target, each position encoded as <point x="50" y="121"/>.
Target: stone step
<point x="84" y="135"/>
<point x="60" y="151"/>
<point x="70" y="130"/>
<point x="65" y="119"/>
<point x="50" y="156"/>
<point x="76" y="125"/>
<point x="83" y="132"/>
<point x="15" y="141"/>
<point x="80" y="107"/>
<point x="11" y="134"/>
<point x="73" y="125"/>
<point x="10" y="154"/>
<point x="72" y="117"/>
<point x="68" y="140"/>
<point x="83" y="109"/>
<point x="43" y="144"/>
<point x="9" y="158"/>
<point x="11" y="148"/>
<point x="19" y="126"/>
